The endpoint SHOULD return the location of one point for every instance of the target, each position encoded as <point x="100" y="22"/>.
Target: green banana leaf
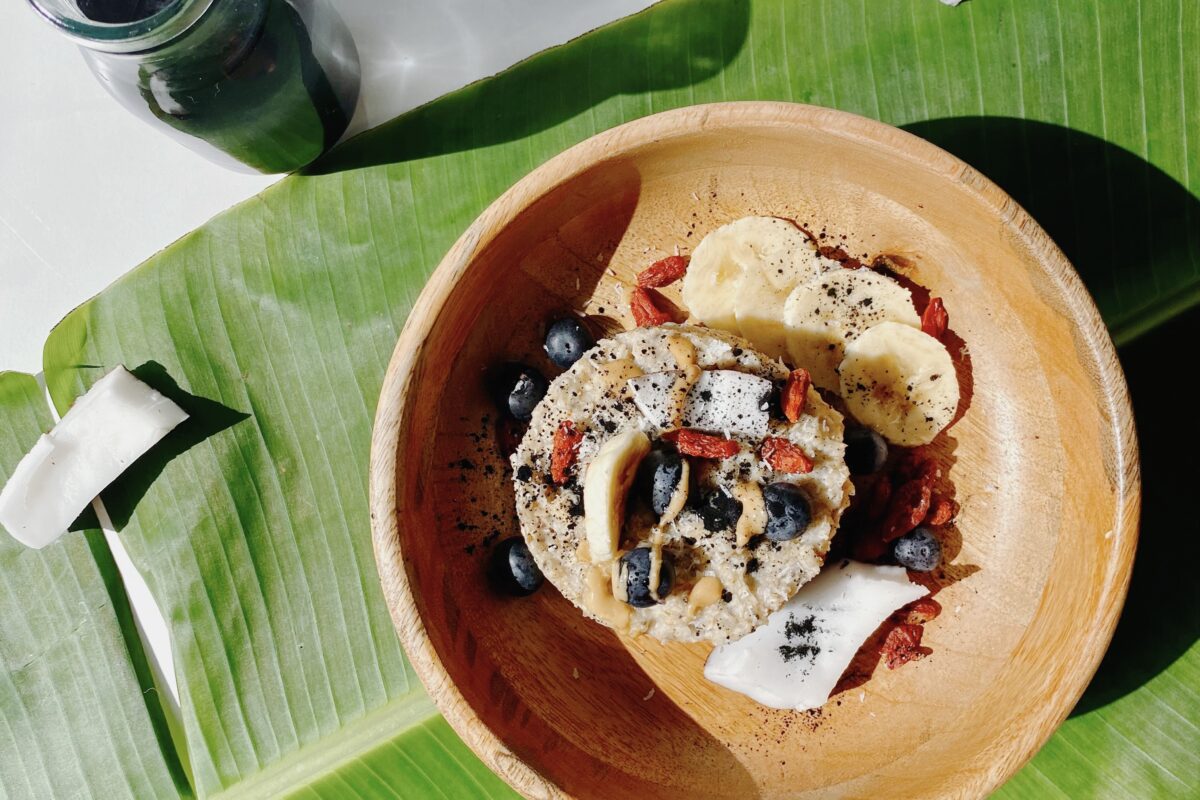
<point x="278" y="317"/>
<point x="72" y="672"/>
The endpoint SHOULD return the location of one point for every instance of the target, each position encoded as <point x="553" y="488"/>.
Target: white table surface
<point x="87" y="191"/>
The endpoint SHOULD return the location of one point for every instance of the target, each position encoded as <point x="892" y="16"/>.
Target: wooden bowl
<point x="1044" y="462"/>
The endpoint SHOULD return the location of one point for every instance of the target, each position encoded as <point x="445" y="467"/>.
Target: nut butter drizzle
<point x="599" y="600"/>
<point x="615" y="373"/>
<point x="679" y="496"/>
<point x="656" y="543"/>
<point x="753" y="520"/>
<point x="684" y="353"/>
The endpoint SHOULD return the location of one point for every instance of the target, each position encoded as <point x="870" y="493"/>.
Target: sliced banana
<point x="901" y="382"/>
<point x="759" y="313"/>
<point x="789" y="260"/>
<point x="605" y="487"/>
<point x="772" y="252"/>
<point x="823" y="315"/>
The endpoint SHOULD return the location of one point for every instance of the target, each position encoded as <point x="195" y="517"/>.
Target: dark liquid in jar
<point x="118" y="11"/>
<point x="256" y="91"/>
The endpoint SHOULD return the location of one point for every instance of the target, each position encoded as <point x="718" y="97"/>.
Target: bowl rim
<point x="1027" y="735"/>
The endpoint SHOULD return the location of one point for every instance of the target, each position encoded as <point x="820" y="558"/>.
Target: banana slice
<point x="773" y="254"/>
<point x="758" y="310"/>
<point x="788" y="260"/>
<point x="823" y="315"/>
<point x="605" y="487"/>
<point x="901" y="382"/>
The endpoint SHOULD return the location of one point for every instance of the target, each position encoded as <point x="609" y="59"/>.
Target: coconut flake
<point x="798" y="655"/>
<point x="105" y="431"/>
<point x="722" y="401"/>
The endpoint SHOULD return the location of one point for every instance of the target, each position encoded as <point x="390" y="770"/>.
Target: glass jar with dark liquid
<point x="263" y="85"/>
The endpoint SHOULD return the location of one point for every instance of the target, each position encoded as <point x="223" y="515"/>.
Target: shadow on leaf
<point x="680" y="43"/>
<point x="205" y="418"/>
<point x="1126" y="225"/>
<point x="1161" y="619"/>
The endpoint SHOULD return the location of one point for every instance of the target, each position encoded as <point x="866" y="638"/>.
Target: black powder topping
<point x="801" y="639"/>
<point x="804" y="628"/>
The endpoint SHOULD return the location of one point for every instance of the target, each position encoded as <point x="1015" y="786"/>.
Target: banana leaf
<point x="277" y="318"/>
<point x="73" y="717"/>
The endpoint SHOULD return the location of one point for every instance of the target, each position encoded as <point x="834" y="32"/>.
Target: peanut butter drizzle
<point x="619" y="575"/>
<point x="656" y="543"/>
<point x="684" y="353"/>
<point x="754" y="512"/>
<point x="615" y="373"/>
<point x="706" y="592"/>
<point x="679" y="496"/>
<point x="599" y="600"/>
<point x="584" y="551"/>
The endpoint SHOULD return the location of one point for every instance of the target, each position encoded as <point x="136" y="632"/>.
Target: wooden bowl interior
<point x="1037" y="464"/>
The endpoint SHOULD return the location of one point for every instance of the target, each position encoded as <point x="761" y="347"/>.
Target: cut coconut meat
<point x="107" y="429"/>
<point x="721" y="401"/>
<point x="797" y="657"/>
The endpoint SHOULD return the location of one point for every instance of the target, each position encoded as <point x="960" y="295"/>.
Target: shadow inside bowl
<point x="567" y="693"/>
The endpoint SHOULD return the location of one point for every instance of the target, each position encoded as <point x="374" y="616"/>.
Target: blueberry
<point x="566" y="341"/>
<point x="512" y="569"/>
<point x="658" y="477"/>
<point x="635" y="566"/>
<point x="719" y="510"/>
<point x="918" y="550"/>
<point x="517" y="389"/>
<point x="865" y="451"/>
<point x="788" y="513"/>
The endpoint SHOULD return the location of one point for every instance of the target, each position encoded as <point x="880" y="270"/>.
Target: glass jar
<point x="260" y="85"/>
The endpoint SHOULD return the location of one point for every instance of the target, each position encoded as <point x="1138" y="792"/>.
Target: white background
<point x="87" y="191"/>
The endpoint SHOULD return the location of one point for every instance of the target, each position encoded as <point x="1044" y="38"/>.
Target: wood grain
<point x="1044" y="462"/>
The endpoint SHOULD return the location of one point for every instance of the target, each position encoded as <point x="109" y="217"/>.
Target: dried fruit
<point x="663" y="272"/>
<point x="941" y="511"/>
<point x="782" y="455"/>
<point x="702" y="445"/>
<point x="918" y="612"/>
<point x="878" y="499"/>
<point x="903" y="644"/>
<point x="646" y="308"/>
<point x="566" y="449"/>
<point x="908" y="506"/>
<point x="868" y="546"/>
<point x="915" y="465"/>
<point x="935" y="319"/>
<point x="795" y="393"/>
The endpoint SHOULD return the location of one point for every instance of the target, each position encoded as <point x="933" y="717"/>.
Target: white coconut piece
<point x="798" y="655"/>
<point x="105" y="431"/>
<point x="721" y="401"/>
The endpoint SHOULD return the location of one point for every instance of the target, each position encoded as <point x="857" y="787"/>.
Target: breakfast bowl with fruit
<point x="754" y="450"/>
